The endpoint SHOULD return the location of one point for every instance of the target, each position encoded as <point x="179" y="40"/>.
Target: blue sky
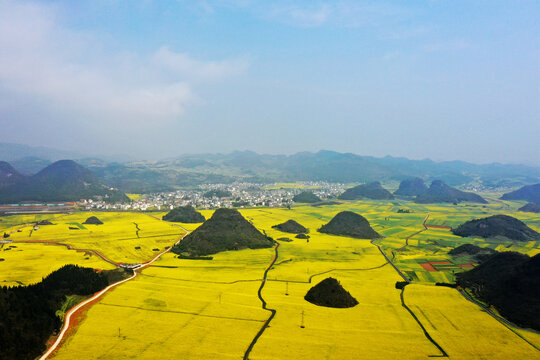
<point x="426" y="79"/>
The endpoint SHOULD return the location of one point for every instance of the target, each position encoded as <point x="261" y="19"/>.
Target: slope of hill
<point x="348" y="223"/>
<point x="64" y="180"/>
<point x="225" y="230"/>
<point x="530" y="207"/>
<point x="411" y="187"/>
<point x="184" y="214"/>
<point x="440" y="192"/>
<point x="8" y="175"/>
<point x="372" y="190"/>
<point x="510" y="282"/>
<point x="291" y="227"/>
<point x="497" y="225"/>
<point x="306" y="197"/>
<point x="530" y="193"/>
<point x="480" y="254"/>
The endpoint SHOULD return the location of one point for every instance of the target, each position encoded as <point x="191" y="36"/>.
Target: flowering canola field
<point x="206" y="309"/>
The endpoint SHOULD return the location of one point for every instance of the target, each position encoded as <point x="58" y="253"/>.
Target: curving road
<point x="73" y="310"/>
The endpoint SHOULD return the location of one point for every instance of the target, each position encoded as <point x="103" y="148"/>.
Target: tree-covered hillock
<point x="292" y="227"/>
<point x="411" y="187"/>
<point x="93" y="220"/>
<point x="184" y="214"/>
<point x="330" y="293"/>
<point x="306" y="197"/>
<point x="439" y="192"/>
<point x="225" y="230"/>
<point x="480" y="254"/>
<point x="530" y="207"/>
<point x="497" y="226"/>
<point x="373" y="190"/>
<point x="348" y="223"/>
<point x="510" y="282"/>
<point x="217" y="194"/>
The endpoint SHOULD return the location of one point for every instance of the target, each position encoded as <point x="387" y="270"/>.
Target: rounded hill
<point x="495" y="226"/>
<point x="93" y="220"/>
<point x="184" y="214"/>
<point x="330" y="293"/>
<point x="439" y="192"/>
<point x="530" y="207"/>
<point x="373" y="190"/>
<point x="225" y="230"/>
<point x="348" y="223"/>
<point x="411" y="187"/>
<point x="306" y="197"/>
<point x="292" y="227"/>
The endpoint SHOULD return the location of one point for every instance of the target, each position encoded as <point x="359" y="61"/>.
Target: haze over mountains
<point x="185" y="170"/>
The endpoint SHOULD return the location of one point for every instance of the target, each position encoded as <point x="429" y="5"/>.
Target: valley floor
<point x="209" y="309"/>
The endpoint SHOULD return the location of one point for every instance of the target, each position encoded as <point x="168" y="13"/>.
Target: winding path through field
<point x="402" y="295"/>
<point x="259" y="294"/>
<point x="79" y="306"/>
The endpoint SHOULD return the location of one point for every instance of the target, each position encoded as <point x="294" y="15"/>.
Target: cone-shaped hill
<point x="373" y="190"/>
<point x="306" y="197"/>
<point x="439" y="192"/>
<point x="497" y="226"/>
<point x="330" y="293"/>
<point x="530" y="207"/>
<point x="64" y="180"/>
<point x="92" y="220"/>
<point x="347" y="223"/>
<point x="529" y="193"/>
<point x="184" y="214"/>
<point x="225" y="230"/>
<point x="291" y="227"/>
<point x="411" y="187"/>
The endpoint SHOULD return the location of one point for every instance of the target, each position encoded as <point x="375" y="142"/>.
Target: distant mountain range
<point x="64" y="180"/>
<point x="189" y="170"/>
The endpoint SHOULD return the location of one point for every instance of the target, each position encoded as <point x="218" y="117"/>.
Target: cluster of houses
<point x="212" y="196"/>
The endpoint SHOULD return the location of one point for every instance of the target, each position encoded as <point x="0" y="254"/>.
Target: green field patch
<point x="79" y="225"/>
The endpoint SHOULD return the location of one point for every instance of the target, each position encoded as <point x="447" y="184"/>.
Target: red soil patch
<point x="440" y="262"/>
<point x="74" y="322"/>
<point x="465" y="266"/>
<point x="428" y="267"/>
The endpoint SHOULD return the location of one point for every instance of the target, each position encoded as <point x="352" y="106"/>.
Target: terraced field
<point x="193" y="309"/>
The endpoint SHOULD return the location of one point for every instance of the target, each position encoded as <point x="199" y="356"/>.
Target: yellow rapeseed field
<point x="198" y="309"/>
<point x="26" y="264"/>
<point x="123" y="237"/>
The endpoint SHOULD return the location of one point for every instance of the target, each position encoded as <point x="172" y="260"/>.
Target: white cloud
<point x="183" y="65"/>
<point x="42" y="61"/>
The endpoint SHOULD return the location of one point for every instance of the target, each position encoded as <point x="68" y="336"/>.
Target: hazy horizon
<point x="118" y="157"/>
<point x="438" y="80"/>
